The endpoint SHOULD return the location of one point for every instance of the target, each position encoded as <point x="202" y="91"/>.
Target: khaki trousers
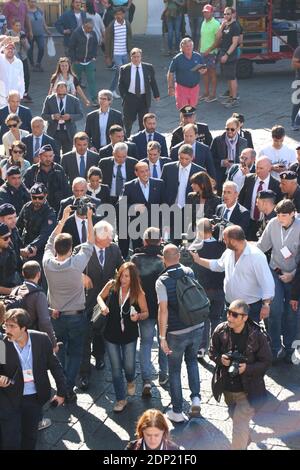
<point x="241" y="416"/>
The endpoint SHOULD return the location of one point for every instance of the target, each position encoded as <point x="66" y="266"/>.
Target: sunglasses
<point x="232" y="129"/>
<point x="39" y="198"/>
<point x="6" y="237"/>
<point x="234" y="314"/>
<point x="12" y="125"/>
<point x="18" y="151"/>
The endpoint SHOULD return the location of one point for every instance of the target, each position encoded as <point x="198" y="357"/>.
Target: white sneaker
<point x="115" y="95"/>
<point x="195" y="408"/>
<point x="44" y="423"/>
<point x="176" y="417"/>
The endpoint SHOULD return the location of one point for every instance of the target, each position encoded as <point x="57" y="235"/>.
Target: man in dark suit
<point x="154" y="160"/>
<point x="102" y="266"/>
<point x="226" y="150"/>
<point x="142" y="193"/>
<point x="254" y="183"/>
<point x="78" y="162"/>
<point x="231" y="210"/>
<point x="15" y="107"/>
<point x="136" y="81"/>
<point x="76" y="225"/>
<point x="142" y="138"/>
<point x="38" y="139"/>
<point x="116" y="134"/>
<point x="24" y="381"/>
<point x="188" y="116"/>
<point x="176" y="176"/>
<point x="202" y="155"/>
<point x="62" y="110"/>
<point x="99" y="122"/>
<point x="79" y="189"/>
<point x="69" y="21"/>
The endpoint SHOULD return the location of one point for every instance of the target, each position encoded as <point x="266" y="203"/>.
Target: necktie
<point x="83" y="232"/>
<point x="119" y="181"/>
<point x="101" y="257"/>
<point x="137" y="82"/>
<point x="150" y="137"/>
<point x="154" y="172"/>
<point x="225" y="216"/>
<point x="62" y="112"/>
<point x="82" y="167"/>
<point x="37" y="145"/>
<point x="256" y="213"/>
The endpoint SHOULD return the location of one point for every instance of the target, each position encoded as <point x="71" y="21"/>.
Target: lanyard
<point x="284" y="239"/>
<point x="123" y="302"/>
<point x="24" y="363"/>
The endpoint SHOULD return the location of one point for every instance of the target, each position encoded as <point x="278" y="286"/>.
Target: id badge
<point x="122" y="325"/>
<point x="61" y="121"/>
<point x="28" y="375"/>
<point x="286" y="252"/>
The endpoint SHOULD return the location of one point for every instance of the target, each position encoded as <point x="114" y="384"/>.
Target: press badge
<point x="28" y="375"/>
<point x="286" y="252"/>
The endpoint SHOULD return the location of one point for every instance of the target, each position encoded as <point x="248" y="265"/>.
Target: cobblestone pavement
<point x="91" y="424"/>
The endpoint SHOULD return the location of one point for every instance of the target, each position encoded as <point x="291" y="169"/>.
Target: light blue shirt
<point x="103" y="118"/>
<point x="145" y="189"/>
<point x="25" y="356"/>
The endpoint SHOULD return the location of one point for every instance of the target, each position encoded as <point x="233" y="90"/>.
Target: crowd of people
<point x="97" y="217"/>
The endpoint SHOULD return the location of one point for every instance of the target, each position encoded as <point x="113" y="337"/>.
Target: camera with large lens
<point x="236" y="358"/>
<point x="218" y="226"/>
<point x="82" y="205"/>
<point x="186" y="247"/>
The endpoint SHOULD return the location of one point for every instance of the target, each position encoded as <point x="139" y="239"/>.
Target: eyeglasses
<point x="18" y="151"/>
<point x="12" y="125"/>
<point x="234" y="314"/>
<point x="232" y="129"/>
<point x="39" y="198"/>
<point x="6" y="237"/>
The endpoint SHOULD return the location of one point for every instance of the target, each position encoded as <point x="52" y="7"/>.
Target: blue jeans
<point x="147" y="331"/>
<point x="71" y="331"/>
<point x="195" y="25"/>
<point x="121" y="356"/>
<point x="174" y="25"/>
<point x="40" y="41"/>
<point x="216" y="310"/>
<point x="186" y="344"/>
<point x="254" y="311"/>
<point x="282" y="319"/>
<point x="118" y="61"/>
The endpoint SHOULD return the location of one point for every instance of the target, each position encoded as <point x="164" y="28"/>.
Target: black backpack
<point x="193" y="303"/>
<point x="17" y="300"/>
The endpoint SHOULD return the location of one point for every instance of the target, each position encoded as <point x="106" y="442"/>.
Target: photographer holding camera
<point x="241" y="351"/>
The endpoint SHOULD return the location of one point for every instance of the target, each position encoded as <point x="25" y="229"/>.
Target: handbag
<point x="98" y="320"/>
<point x="51" y="47"/>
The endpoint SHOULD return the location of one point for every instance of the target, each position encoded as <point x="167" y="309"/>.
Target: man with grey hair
<point x="102" y="266"/>
<point x="79" y="189"/>
<point x="241" y="380"/>
<point x="37" y="139"/>
<point x="231" y="210"/>
<point x="176" y="338"/>
<point x="239" y="171"/>
<point x="100" y="121"/>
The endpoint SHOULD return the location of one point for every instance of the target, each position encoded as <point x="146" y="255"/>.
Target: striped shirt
<point x="120" y="38"/>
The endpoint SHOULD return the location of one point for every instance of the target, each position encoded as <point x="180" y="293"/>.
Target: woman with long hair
<point x="125" y="306"/>
<point x="17" y="153"/>
<point x="13" y="122"/>
<point x="65" y="73"/>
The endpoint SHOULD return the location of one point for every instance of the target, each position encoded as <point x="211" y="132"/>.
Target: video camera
<point x="236" y="358"/>
<point x="219" y="224"/>
<point x="82" y="205"/>
<point x="186" y="248"/>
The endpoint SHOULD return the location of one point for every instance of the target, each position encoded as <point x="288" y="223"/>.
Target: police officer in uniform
<point x="188" y="116"/>
<point x="9" y="275"/>
<point x="8" y="216"/>
<point x="36" y="222"/>
<point x="290" y="188"/>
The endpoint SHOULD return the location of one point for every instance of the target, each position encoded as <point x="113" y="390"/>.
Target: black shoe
<point x="100" y="364"/>
<point x="71" y="397"/>
<point x="83" y="383"/>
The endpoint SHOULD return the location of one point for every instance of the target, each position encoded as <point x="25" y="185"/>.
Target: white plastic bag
<point x="51" y="47"/>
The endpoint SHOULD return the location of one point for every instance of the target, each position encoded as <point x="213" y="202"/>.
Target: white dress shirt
<point x="158" y="169"/>
<point x="145" y="189"/>
<point x="103" y="118"/>
<point x="98" y="254"/>
<point x="183" y="179"/>
<point x="78" y="157"/>
<point x="265" y="186"/>
<point x="132" y="79"/>
<point x="230" y="209"/>
<point x="79" y="226"/>
<point x="11" y="78"/>
<point x="251" y="274"/>
<point x="113" y="181"/>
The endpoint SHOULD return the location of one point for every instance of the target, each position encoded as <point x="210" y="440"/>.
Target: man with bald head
<point x="142" y="192"/>
<point x="176" y="338"/>
<point x="261" y="180"/>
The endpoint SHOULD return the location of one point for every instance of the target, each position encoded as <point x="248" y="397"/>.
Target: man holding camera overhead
<point x="242" y="355"/>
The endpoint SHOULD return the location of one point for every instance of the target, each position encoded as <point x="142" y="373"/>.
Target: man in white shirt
<point x="246" y="269"/>
<point x="11" y="73"/>
<point x="154" y="160"/>
<point x="280" y="155"/>
<point x="238" y="172"/>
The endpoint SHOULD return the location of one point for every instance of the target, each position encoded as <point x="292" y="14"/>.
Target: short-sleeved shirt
<point x="181" y="66"/>
<point x="12" y="11"/>
<point x="296" y="55"/>
<point x="208" y="34"/>
<point x="230" y="31"/>
<point x="37" y="22"/>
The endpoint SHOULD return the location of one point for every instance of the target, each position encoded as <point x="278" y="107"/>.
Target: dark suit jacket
<point x="46" y="139"/>
<point x="240" y="215"/>
<point x="203" y="132"/>
<point x="134" y="194"/>
<point x="70" y="201"/>
<point x="245" y="196"/>
<point x="140" y="139"/>
<point x="248" y="136"/>
<point x="24" y="114"/>
<point x="203" y="157"/>
<point x="219" y="152"/>
<point x="69" y="164"/>
<point x="103" y="195"/>
<point x="107" y="151"/>
<point x="73" y="107"/>
<point x="43" y="360"/>
<point x="209" y="206"/>
<point x="93" y="130"/>
<point x="149" y="79"/>
<point x="170" y="175"/>
<point x="107" y="165"/>
<point x="71" y="228"/>
<point x="161" y="160"/>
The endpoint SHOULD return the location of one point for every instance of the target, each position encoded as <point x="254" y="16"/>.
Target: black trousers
<point x="19" y="427"/>
<point x="134" y="106"/>
<point x="92" y="337"/>
<point x="26" y="71"/>
<point x="63" y="140"/>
